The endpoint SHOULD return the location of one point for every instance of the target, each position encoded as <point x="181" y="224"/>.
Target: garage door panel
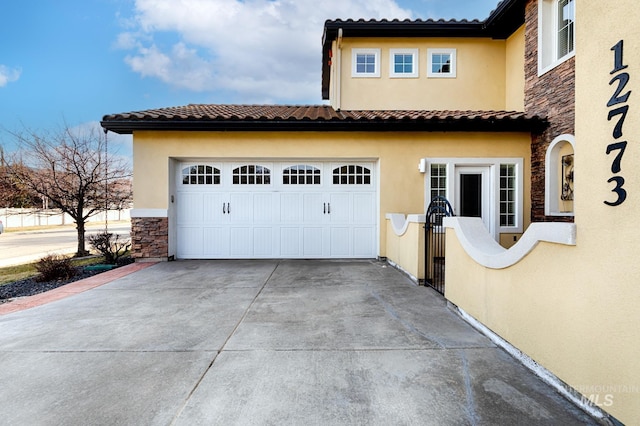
<point x="363" y="208"/>
<point x="290" y="241"/>
<point x="190" y="208"/>
<point x="213" y="208"/>
<point x="340" y="241"/>
<point x="313" y="208"/>
<point x="264" y="208"/>
<point x="189" y="242"/>
<point x="290" y="208"/>
<point x="215" y="241"/>
<point x="241" y="207"/>
<point x="313" y="241"/>
<point x="241" y="241"/>
<point x="263" y="242"/>
<point x="363" y="242"/>
<point x="340" y="208"/>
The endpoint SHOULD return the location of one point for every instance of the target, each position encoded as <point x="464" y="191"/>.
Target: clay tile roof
<point x="209" y="117"/>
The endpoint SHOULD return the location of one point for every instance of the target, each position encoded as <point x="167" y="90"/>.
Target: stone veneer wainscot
<point x="550" y="95"/>
<point x="150" y="238"/>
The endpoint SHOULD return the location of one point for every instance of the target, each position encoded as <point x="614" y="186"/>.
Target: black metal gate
<point x="434" y="242"/>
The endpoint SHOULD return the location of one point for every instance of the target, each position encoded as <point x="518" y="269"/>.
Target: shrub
<point x="55" y="267"/>
<point x="110" y="246"/>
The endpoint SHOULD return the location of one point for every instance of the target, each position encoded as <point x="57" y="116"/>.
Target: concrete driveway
<point x="262" y="343"/>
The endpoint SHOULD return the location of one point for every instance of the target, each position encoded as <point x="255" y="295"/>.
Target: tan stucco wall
<point x="402" y="187"/>
<point x="407" y="250"/>
<point x="479" y="85"/>
<point x="575" y="310"/>
<point x="514" y="74"/>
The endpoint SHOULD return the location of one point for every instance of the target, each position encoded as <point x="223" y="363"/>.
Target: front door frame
<point x="493" y="165"/>
<point x="487" y="196"/>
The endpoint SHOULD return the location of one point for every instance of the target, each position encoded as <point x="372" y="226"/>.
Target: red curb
<point x="71" y="288"/>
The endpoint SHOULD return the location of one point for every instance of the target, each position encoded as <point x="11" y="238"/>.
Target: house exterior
<point x="489" y="114"/>
<point x="229" y="181"/>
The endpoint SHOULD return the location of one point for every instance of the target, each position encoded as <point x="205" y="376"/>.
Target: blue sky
<point x="73" y="61"/>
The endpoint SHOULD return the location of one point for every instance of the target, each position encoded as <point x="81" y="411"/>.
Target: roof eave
<point x="506" y="19"/>
<point x="420" y="125"/>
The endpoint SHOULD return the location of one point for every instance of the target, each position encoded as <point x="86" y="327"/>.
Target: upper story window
<point x="566" y="27"/>
<point x="441" y="63"/>
<point x="404" y="63"/>
<point x="366" y="62"/>
<point x="200" y="175"/>
<point x="556" y="33"/>
<point x="251" y="175"/>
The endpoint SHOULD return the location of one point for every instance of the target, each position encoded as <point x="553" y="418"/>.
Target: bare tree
<point x="72" y="170"/>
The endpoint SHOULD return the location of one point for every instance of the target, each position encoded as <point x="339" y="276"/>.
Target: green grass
<point x="10" y="274"/>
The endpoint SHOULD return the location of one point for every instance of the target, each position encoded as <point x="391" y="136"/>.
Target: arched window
<point x="251" y="175"/>
<point x="351" y="175"/>
<point x="559" y="163"/>
<point x="200" y="175"/>
<point x="301" y="175"/>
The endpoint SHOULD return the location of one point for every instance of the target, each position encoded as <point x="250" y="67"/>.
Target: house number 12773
<point x="618" y="108"/>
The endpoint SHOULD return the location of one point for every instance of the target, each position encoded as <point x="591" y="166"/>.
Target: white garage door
<point x="276" y="210"/>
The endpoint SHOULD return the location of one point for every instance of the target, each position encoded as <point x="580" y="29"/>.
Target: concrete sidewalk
<point x="262" y="342"/>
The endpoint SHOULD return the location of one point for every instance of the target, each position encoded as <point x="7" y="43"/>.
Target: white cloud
<point x="260" y="50"/>
<point x="119" y="145"/>
<point x="7" y="75"/>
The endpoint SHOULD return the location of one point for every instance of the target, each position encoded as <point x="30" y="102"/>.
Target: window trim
<point x="506" y="189"/>
<point x="216" y="174"/>
<point x="316" y="173"/>
<point x="365" y="51"/>
<point x="416" y="61"/>
<point x="548" y="37"/>
<point x="493" y="164"/>
<point x="366" y="174"/>
<point x="249" y="174"/>
<point x="453" y="70"/>
<point x="441" y="190"/>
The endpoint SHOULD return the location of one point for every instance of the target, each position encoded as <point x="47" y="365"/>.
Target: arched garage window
<point x="301" y="175"/>
<point x="200" y="175"/>
<point x="558" y="200"/>
<point x="351" y="175"/>
<point x="251" y="175"/>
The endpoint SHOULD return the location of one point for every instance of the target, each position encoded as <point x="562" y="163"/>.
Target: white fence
<point x="21" y="218"/>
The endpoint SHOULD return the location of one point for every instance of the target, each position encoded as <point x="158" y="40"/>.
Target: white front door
<point x="259" y="209"/>
<point x="473" y="194"/>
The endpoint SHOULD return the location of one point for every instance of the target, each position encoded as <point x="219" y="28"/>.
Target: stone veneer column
<point x="550" y="95"/>
<point x="150" y="238"/>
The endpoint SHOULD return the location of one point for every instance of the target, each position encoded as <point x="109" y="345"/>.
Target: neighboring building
<point x="481" y="112"/>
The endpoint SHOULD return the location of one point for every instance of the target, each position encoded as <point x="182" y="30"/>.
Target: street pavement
<point x="289" y="342"/>
<point x="21" y="247"/>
